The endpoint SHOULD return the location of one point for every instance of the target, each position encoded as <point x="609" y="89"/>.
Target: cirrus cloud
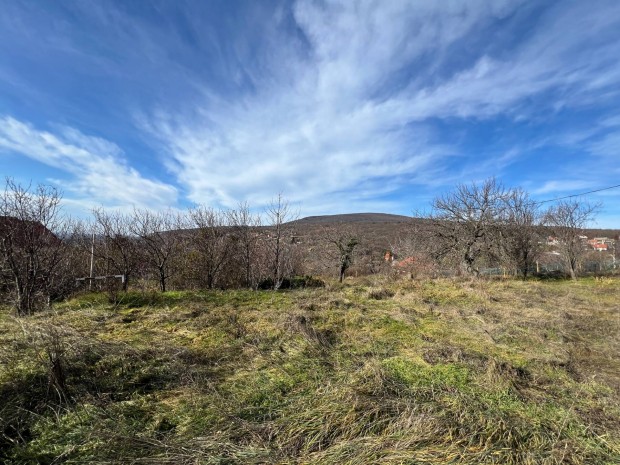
<point x="98" y="169"/>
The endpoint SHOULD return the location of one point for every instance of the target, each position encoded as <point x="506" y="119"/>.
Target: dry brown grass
<point x="432" y="372"/>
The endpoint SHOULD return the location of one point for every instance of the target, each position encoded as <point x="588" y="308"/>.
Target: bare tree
<point x="414" y="253"/>
<point x="342" y="241"/>
<point x="120" y="248"/>
<point x="567" y="221"/>
<point x="246" y="231"/>
<point x="160" y="239"/>
<point x="279" y="215"/>
<point x="465" y="222"/>
<point x="32" y="247"/>
<point x="520" y="238"/>
<point x="212" y="240"/>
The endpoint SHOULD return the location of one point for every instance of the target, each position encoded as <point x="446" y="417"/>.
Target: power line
<point x="578" y="195"/>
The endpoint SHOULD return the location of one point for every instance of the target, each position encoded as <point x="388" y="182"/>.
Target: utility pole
<point x="92" y="264"/>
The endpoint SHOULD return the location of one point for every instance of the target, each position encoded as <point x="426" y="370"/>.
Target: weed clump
<point x="380" y="293"/>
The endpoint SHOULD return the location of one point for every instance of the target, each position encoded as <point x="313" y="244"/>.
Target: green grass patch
<point x="368" y="371"/>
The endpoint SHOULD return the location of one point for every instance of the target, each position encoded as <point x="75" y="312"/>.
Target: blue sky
<point x="343" y="106"/>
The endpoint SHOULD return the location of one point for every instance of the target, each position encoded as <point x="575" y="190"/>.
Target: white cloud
<point x="318" y="123"/>
<point x="565" y="185"/>
<point x="353" y="104"/>
<point x="559" y="56"/>
<point x="606" y="149"/>
<point x="100" y="173"/>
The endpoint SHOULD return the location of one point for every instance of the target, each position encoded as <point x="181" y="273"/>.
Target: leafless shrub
<point x="567" y="221"/>
<point x="245" y="228"/>
<point x="520" y="239"/>
<point x="465" y="223"/>
<point x="161" y="239"/>
<point x="277" y="245"/>
<point x="118" y="246"/>
<point x="212" y="242"/>
<point x="33" y="246"/>
<point x="342" y="242"/>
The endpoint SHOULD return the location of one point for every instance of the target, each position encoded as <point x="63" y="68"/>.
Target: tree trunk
<point x="247" y="271"/>
<point x="573" y="275"/>
<point x="572" y="268"/>
<point x="162" y="279"/>
<point x="22" y="304"/>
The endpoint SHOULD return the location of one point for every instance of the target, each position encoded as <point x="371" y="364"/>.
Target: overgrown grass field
<point x="409" y="372"/>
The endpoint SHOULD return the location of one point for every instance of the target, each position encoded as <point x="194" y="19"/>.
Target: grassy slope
<point x="413" y="372"/>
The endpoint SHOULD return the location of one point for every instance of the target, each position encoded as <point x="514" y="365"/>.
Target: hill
<point x="369" y="372"/>
<point x="387" y="228"/>
<point x="353" y="218"/>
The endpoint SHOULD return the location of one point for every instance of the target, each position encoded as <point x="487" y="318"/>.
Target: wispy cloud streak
<point x="353" y="103"/>
<point x="99" y="170"/>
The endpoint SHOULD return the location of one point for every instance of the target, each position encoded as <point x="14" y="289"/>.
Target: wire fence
<point x="610" y="266"/>
<point x="607" y="266"/>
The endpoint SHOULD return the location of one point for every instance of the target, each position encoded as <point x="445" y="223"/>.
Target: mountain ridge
<point x="365" y="217"/>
